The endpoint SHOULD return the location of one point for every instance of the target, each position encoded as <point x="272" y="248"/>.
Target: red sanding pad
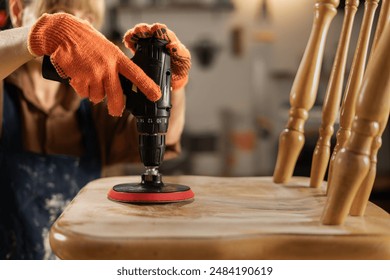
<point x="3" y="18"/>
<point x="138" y="193"/>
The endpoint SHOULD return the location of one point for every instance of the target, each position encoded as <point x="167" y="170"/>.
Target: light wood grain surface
<point x="230" y="218"/>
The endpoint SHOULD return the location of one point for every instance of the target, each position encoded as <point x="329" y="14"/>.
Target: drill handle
<point x="153" y="58"/>
<point x="49" y="71"/>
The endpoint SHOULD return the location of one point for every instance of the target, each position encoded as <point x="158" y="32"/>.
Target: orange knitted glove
<point x="180" y="56"/>
<point x="91" y="62"/>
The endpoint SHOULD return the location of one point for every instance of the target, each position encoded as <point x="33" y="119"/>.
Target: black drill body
<point x="152" y="117"/>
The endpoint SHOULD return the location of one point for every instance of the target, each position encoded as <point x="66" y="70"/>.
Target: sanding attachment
<point x="140" y="193"/>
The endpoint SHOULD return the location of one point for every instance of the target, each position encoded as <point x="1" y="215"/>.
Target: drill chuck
<point x="152" y="149"/>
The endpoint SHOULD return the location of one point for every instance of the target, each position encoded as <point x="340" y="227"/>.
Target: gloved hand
<point x="91" y="62"/>
<point x="180" y="56"/>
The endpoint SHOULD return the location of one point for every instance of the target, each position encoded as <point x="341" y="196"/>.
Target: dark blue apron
<point x="35" y="188"/>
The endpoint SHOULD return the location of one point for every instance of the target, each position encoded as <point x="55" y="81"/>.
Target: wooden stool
<point x="230" y="218"/>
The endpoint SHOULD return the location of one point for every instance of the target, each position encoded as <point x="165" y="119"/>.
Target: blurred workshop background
<point x="245" y="56"/>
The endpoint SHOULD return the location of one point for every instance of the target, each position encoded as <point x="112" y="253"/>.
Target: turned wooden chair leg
<point x="304" y="91"/>
<point x="332" y="98"/>
<point x="352" y="163"/>
<point x="347" y="111"/>
<point x="361" y="199"/>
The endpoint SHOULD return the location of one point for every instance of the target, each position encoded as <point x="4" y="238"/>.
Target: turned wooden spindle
<point x="352" y="163"/>
<point x="383" y="20"/>
<point x="304" y="91"/>
<point x="347" y="111"/>
<point x="360" y="202"/>
<point x="332" y="98"/>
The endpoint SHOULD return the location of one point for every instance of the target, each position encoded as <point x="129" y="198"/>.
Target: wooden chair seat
<point x="230" y="218"/>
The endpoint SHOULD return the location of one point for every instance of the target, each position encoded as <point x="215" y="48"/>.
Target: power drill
<point x="152" y="125"/>
<point x="152" y="117"/>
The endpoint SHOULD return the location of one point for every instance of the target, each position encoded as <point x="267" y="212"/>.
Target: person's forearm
<point x="13" y="50"/>
<point x="176" y="121"/>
